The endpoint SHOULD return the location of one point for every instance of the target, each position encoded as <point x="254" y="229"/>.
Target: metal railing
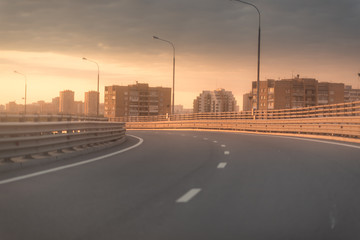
<point x="25" y="139"/>
<point x="335" y="126"/>
<point x="9" y="117"/>
<point x="341" y="120"/>
<point x="335" y="110"/>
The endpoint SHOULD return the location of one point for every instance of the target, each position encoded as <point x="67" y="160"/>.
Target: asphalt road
<point x="190" y="185"/>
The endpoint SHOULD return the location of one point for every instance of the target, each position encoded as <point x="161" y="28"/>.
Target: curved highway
<point x="189" y="185"/>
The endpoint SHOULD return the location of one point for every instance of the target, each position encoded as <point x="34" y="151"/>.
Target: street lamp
<point x="258" y="66"/>
<point x="173" y="95"/>
<point x="25" y="88"/>
<point x="97" y="104"/>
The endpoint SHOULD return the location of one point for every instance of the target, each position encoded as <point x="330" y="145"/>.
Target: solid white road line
<point x="189" y="195"/>
<point x="306" y="139"/>
<point x="223" y="145"/>
<point x="72" y="165"/>
<point x="222" y="165"/>
<point x="226" y="152"/>
<point x="322" y="141"/>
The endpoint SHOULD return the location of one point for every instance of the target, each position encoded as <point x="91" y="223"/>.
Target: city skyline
<point x="347" y="94"/>
<point x="58" y="105"/>
<point x="215" y="41"/>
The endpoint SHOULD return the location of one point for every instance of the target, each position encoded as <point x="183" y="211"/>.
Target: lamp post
<point x="25" y="88"/>
<point x="258" y="65"/>
<point x="97" y="103"/>
<point x="173" y="95"/>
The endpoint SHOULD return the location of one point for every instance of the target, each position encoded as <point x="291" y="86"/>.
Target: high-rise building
<point x="286" y="93"/>
<point x="215" y="101"/>
<point x="42" y="107"/>
<point x="78" y="108"/>
<point x="330" y="93"/>
<point x="66" y="102"/>
<point x="13" y="107"/>
<point x="55" y="104"/>
<point x="91" y="103"/>
<point x="351" y="95"/>
<point x="291" y="93"/>
<point x="294" y="93"/>
<point x="247" y="101"/>
<point x="137" y="100"/>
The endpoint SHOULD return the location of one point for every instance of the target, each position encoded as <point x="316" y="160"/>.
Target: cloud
<point x="216" y="40"/>
<point x="201" y="26"/>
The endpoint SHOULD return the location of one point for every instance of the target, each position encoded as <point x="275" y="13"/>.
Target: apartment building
<point x="66" y="102"/>
<point x="137" y="100"/>
<point x="215" y="101"/>
<point x="351" y="95"/>
<point x="330" y="93"/>
<point x="247" y="101"/>
<point x="13" y="107"/>
<point x="293" y="93"/>
<point x="55" y="104"/>
<point x="91" y="103"/>
<point x="78" y="108"/>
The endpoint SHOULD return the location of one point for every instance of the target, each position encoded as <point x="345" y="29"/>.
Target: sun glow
<point x="48" y="73"/>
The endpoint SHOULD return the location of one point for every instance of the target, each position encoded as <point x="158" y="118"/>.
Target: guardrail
<point x="335" y="110"/>
<point x="25" y="139"/>
<point x="331" y="126"/>
<point x="342" y="120"/>
<point x="6" y="117"/>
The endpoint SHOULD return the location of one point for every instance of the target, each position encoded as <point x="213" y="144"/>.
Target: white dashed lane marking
<point x="222" y="145"/>
<point x="205" y="138"/>
<point x="226" y="152"/>
<point x="215" y="141"/>
<point x="222" y="165"/>
<point x="189" y="195"/>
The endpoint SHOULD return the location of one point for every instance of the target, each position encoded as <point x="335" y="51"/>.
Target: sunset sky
<point x="215" y="41"/>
